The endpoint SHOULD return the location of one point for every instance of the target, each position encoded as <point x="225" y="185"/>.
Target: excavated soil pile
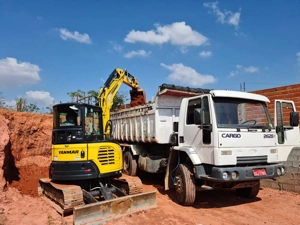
<point x="25" y="150"/>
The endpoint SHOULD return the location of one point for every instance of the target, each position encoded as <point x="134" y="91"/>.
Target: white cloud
<point x="82" y="38"/>
<point x="141" y="53"/>
<point x="226" y="16"/>
<point x="298" y="57"/>
<point x="240" y="68"/>
<point x="205" y="54"/>
<point x="40" y="97"/>
<point x="14" y="73"/>
<point x="117" y="48"/>
<point x="251" y="69"/>
<point x="187" y="75"/>
<point x="11" y="104"/>
<point x="177" y="33"/>
<point x="234" y="18"/>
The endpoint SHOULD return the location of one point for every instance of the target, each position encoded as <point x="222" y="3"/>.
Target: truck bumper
<point x="229" y="174"/>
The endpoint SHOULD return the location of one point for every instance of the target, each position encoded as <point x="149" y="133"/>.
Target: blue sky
<point x="49" y="48"/>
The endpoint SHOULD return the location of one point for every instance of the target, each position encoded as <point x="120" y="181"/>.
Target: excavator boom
<point x="110" y="89"/>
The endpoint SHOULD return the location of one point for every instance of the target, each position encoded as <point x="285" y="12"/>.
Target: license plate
<point x="259" y="172"/>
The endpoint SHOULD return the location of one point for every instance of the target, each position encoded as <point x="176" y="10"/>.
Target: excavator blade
<point x="101" y="212"/>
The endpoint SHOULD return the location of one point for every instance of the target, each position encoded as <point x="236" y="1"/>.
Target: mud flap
<point x="103" y="211"/>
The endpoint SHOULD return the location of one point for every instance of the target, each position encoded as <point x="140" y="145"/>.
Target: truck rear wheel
<point x="249" y="192"/>
<point x="129" y="164"/>
<point x="185" y="185"/>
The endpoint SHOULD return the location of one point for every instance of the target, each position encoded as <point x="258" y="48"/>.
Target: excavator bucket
<point x="137" y="97"/>
<point x="101" y="212"/>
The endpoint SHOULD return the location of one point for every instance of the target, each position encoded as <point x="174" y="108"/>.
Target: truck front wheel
<point x="249" y="192"/>
<point x="185" y="185"/>
<point x="129" y="164"/>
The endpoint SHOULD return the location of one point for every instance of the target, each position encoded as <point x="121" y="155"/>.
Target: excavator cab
<point x="76" y="123"/>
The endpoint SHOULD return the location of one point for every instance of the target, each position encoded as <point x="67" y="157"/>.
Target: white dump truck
<point x="205" y="139"/>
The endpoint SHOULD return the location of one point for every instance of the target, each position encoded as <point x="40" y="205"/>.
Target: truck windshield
<point x="242" y="113"/>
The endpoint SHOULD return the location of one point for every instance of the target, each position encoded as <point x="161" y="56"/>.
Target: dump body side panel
<point x="150" y="123"/>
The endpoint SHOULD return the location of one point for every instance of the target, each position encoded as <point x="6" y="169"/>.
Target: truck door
<point x="197" y="135"/>
<point x="287" y="134"/>
<point x="192" y="134"/>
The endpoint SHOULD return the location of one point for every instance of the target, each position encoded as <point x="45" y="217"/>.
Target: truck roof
<point x="173" y="90"/>
<point x="238" y="94"/>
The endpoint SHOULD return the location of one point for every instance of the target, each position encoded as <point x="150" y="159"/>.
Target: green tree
<point x="21" y="104"/>
<point x="119" y="99"/>
<point x="94" y="95"/>
<point x="2" y="100"/>
<point x="50" y="108"/>
<point x="32" y="107"/>
<point x="76" y="95"/>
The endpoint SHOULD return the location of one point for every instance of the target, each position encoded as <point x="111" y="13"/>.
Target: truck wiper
<point x="252" y="129"/>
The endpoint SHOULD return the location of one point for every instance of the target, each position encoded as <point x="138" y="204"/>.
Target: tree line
<point x="23" y="105"/>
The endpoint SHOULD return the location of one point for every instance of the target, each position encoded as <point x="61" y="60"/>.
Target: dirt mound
<point x="25" y="149"/>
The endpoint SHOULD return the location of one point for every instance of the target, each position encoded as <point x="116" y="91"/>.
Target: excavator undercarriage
<point x="121" y="196"/>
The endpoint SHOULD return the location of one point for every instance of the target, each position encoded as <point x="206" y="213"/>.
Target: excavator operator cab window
<point x="92" y="121"/>
<point x="66" y="116"/>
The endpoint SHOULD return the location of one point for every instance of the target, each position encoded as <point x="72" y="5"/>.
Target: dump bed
<point x="152" y="122"/>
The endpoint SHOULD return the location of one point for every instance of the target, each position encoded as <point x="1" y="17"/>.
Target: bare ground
<point x="18" y="205"/>
<point x="25" y="153"/>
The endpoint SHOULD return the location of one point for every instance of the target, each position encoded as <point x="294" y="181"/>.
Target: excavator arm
<point x="109" y="91"/>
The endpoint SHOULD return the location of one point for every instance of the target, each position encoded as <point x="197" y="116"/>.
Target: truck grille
<point x="106" y="156"/>
<point x="252" y="160"/>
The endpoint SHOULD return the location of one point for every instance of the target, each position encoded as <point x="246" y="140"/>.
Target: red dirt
<point x="138" y="97"/>
<point x="25" y="150"/>
<point x="29" y="177"/>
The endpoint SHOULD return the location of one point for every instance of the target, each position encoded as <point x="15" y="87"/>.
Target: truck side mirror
<point x="294" y="119"/>
<point x="197" y="116"/>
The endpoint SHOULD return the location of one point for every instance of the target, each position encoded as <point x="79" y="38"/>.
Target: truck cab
<point x="228" y="139"/>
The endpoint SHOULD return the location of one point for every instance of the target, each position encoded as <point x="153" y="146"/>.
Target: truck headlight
<point x="278" y="171"/>
<point x="225" y="175"/>
<point x="234" y="175"/>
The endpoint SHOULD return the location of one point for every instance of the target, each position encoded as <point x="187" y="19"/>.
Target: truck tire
<point x="129" y="164"/>
<point x="249" y="192"/>
<point x="185" y="185"/>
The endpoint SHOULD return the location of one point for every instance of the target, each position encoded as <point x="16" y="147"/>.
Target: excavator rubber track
<point x="68" y="198"/>
<point x="64" y="195"/>
<point x="128" y="184"/>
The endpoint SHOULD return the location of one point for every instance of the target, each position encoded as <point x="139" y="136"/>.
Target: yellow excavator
<point x="85" y="175"/>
